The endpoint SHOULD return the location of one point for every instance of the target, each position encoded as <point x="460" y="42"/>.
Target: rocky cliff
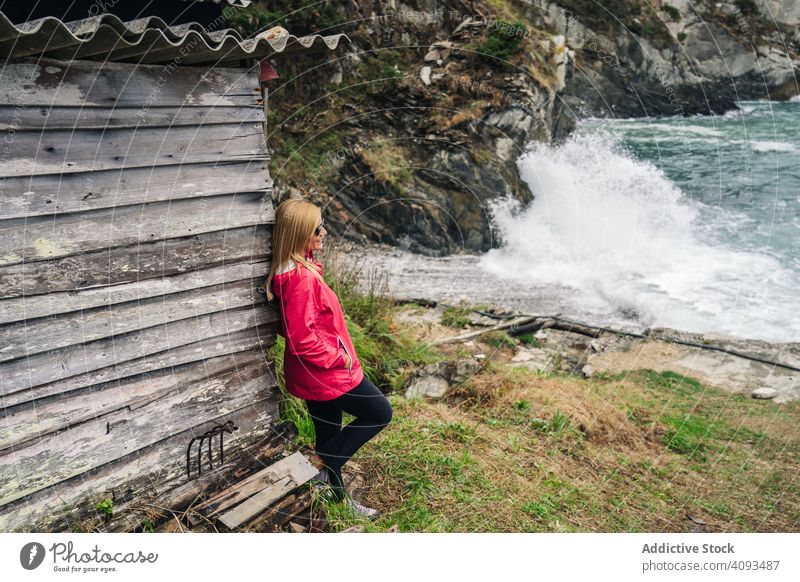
<point x="409" y="136"/>
<point x="674" y="57"/>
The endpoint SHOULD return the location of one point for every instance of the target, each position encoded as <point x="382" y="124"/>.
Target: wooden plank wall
<point x="135" y="221"/>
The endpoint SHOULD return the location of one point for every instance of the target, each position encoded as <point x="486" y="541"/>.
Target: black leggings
<point x="335" y="445"/>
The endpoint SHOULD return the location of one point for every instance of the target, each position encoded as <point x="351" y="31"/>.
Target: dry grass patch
<point x="389" y="162"/>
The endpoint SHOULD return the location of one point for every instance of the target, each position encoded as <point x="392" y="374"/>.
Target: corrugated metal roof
<point x="149" y="41"/>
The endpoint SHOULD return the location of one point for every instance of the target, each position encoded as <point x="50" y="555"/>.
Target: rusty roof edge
<point x="89" y="26"/>
<point x="131" y="33"/>
<point x="235" y="3"/>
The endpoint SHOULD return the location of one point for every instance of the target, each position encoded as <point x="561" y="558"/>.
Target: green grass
<point x="504" y="41"/>
<point x="499" y="339"/>
<point x="456" y="317"/>
<point x="452" y="431"/>
<point x="674" y="13"/>
<point x="438" y="469"/>
<point x="384" y="65"/>
<point x="304" y="158"/>
<point x="560" y="424"/>
<point x="105" y="507"/>
<point x="529" y="340"/>
<point x="522" y="405"/>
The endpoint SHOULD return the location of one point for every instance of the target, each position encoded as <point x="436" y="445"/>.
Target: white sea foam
<point x="742" y="111"/>
<point x="772" y="146"/>
<point x="655" y="127"/>
<point x="618" y="237"/>
<point x="673" y="138"/>
<point x="691" y="129"/>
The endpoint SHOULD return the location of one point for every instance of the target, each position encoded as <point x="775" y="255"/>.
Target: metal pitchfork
<point x="220" y="429"/>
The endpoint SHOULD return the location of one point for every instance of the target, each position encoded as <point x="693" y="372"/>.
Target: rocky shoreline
<point x="761" y="369"/>
<point x="750" y="367"/>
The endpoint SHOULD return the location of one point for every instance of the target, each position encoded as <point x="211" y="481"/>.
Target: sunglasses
<point x="318" y="230"/>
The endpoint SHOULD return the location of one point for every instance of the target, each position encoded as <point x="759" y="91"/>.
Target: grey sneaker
<point x="321" y="478"/>
<point x="362" y="510"/>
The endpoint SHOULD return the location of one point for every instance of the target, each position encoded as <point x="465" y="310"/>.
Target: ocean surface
<point x="687" y="223"/>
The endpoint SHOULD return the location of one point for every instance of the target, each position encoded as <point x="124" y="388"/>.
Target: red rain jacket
<point x="311" y="320"/>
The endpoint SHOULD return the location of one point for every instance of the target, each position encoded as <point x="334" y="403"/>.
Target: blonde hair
<point x="295" y="222"/>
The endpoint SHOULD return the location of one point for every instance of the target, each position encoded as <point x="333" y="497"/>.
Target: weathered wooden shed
<point x="135" y="221"/>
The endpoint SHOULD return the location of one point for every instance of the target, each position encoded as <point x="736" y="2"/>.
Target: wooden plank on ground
<point x="293" y="474"/>
<point x="296" y="507"/>
<point x="39" y="239"/>
<point x="146" y="260"/>
<point x="52" y="194"/>
<point x="44" y="82"/>
<point x="296" y="468"/>
<point x="90" y="150"/>
<point x="26" y="373"/>
<point x="257" y="504"/>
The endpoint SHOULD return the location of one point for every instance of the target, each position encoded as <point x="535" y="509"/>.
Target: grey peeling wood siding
<point x="134" y="228"/>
